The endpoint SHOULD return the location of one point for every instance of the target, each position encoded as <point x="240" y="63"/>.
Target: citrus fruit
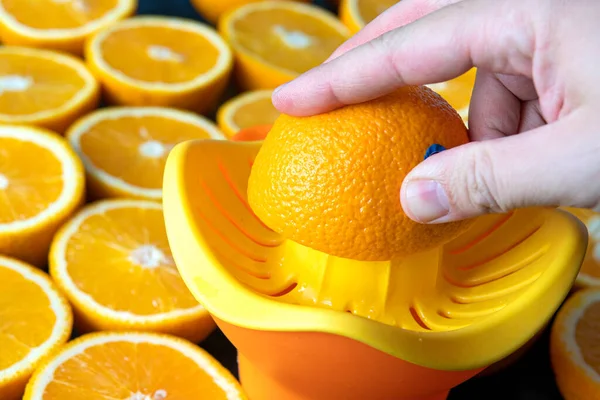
<point x="124" y="149"/>
<point x="34" y="320"/>
<point x="275" y="41"/>
<point x="355" y="14"/>
<point x="41" y="185"/>
<point x="574" y="344"/>
<point x="253" y="133"/>
<point x="113" y="262"/>
<point x="246" y="110"/>
<point x="58" y="24"/>
<point x="458" y="92"/>
<point x="332" y="181"/>
<point x="589" y="275"/>
<point x="132" y="366"/>
<point x="211" y="10"/>
<point x="44" y="88"/>
<point x="161" y="61"/>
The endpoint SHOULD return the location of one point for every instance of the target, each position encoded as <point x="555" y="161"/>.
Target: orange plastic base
<point x="260" y="386"/>
<point x="322" y="366"/>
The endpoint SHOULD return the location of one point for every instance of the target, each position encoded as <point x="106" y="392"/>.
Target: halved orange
<point x="575" y="344"/>
<point x="275" y="41"/>
<point x="246" y="110"/>
<point x="58" y="24"/>
<point x="458" y="92"/>
<point x="35" y="319"/>
<point x="113" y="262"/>
<point x="41" y="185"/>
<point x="161" y="61"/>
<point x="44" y="88"/>
<point x="211" y="10"/>
<point x="589" y="275"/>
<point x="355" y="14"/>
<point x="124" y="149"/>
<point x="132" y="366"/>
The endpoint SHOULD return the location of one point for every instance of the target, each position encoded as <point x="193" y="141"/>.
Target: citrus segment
<point x="589" y="275"/>
<point x="44" y="88"/>
<point x="574" y="344"/>
<point x="124" y="149"/>
<point x="113" y="262"/>
<point x="34" y="320"/>
<point x="161" y="61"/>
<point x="332" y="181"/>
<point x="41" y="185"/>
<point x="132" y="366"/>
<point x="212" y="10"/>
<point x="58" y="24"/>
<point x="355" y="14"/>
<point x="275" y="41"/>
<point x="246" y="110"/>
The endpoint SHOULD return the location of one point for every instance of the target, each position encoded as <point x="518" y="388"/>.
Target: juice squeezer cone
<point x="309" y="326"/>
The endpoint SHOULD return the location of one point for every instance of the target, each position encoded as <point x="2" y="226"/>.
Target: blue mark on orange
<point x="434" y="149"/>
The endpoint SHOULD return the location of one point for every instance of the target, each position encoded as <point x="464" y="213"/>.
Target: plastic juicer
<point x="309" y="326"/>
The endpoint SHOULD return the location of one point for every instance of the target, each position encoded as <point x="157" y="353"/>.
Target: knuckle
<point x="481" y="186"/>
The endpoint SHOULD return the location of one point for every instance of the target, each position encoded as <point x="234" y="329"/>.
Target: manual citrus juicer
<point x="311" y="326"/>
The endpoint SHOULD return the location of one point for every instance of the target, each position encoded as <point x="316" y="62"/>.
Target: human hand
<point x="534" y="118"/>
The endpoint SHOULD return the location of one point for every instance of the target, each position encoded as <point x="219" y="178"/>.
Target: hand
<point x="534" y="118"/>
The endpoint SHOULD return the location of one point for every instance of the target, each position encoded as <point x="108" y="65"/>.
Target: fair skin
<point x="534" y="121"/>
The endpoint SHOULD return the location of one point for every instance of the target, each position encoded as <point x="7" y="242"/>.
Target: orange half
<point x="161" y="61"/>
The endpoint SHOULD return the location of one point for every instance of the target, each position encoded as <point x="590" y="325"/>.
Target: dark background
<point x="530" y="378"/>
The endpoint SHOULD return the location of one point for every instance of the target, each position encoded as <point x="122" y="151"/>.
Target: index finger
<point x="435" y="48"/>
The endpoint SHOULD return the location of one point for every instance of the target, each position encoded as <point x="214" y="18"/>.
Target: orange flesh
<point x="99" y="262"/>
<point x="258" y="112"/>
<point x="50" y="84"/>
<point x="32" y="175"/>
<point x="261" y="33"/>
<point x="26" y="320"/>
<point x="122" y="370"/>
<point x="587" y="338"/>
<point x="52" y="14"/>
<point x="113" y="145"/>
<point x="159" y="54"/>
<point x="370" y="9"/>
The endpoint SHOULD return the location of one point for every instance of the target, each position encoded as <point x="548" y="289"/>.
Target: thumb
<point x="554" y="165"/>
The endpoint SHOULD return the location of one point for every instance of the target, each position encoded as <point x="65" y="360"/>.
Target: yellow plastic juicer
<point x="315" y="327"/>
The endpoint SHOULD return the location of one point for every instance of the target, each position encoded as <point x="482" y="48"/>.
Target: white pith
<point x="58" y="254"/>
<point x="186" y="349"/>
<point x="85" y="124"/>
<point x="224" y="59"/>
<point x="293" y="39"/>
<point x="15" y="83"/>
<point x="71" y="177"/>
<point x="58" y="307"/>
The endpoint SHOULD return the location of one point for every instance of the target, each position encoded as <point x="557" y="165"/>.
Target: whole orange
<point x="332" y="181"/>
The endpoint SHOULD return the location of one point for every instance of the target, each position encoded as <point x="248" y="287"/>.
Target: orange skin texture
<point x="332" y="181"/>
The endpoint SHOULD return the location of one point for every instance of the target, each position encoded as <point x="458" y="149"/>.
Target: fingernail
<point x="427" y="200"/>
